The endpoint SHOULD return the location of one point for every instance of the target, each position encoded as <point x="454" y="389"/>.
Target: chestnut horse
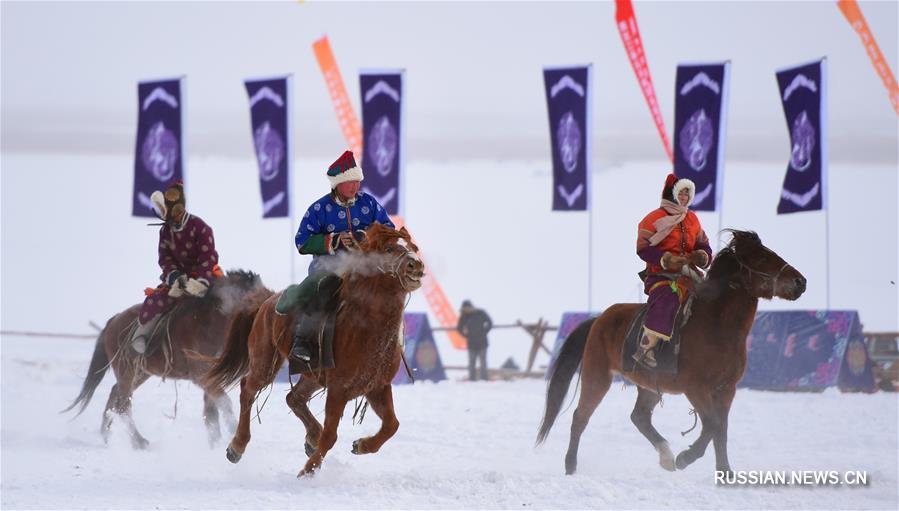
<point x="711" y="361"/>
<point x="376" y="280"/>
<point x="194" y="326"/>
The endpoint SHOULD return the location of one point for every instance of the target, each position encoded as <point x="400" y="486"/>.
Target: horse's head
<point x="397" y="255"/>
<point x="762" y="272"/>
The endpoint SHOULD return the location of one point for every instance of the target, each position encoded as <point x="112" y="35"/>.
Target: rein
<point x="767" y="276"/>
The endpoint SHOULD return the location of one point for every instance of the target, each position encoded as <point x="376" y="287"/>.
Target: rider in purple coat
<point x="187" y="257"/>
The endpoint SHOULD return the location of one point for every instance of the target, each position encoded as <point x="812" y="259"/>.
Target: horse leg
<point x="381" y="401"/>
<point x="594" y="389"/>
<point x="702" y="404"/>
<point x="250" y="386"/>
<point x="109" y="412"/>
<point x="227" y="413"/>
<point x="211" y="418"/>
<point x="642" y="418"/>
<point x="334" y="406"/>
<point x="298" y="401"/>
<point x="721" y="402"/>
<point x="121" y="405"/>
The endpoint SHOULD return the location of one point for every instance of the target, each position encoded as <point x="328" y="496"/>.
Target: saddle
<point x="666" y="352"/>
<point x="316" y="318"/>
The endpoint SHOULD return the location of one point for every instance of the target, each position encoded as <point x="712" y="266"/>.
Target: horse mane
<point x="725" y="264"/>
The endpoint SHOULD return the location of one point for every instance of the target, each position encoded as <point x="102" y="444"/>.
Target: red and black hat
<point x="344" y="169"/>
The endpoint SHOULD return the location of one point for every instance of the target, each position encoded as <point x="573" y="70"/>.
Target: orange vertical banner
<point x="853" y="13"/>
<point x="633" y="45"/>
<point x="346" y="116"/>
<point x="441" y="307"/>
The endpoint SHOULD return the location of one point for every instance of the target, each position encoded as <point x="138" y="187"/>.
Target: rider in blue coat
<point x="335" y="222"/>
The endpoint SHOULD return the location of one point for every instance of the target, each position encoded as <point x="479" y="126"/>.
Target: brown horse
<point x="194" y="326"/>
<point x="711" y="360"/>
<point x="377" y="279"/>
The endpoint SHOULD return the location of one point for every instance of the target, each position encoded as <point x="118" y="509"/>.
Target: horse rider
<point x="187" y="257"/>
<point x="334" y="223"/>
<point x="669" y="239"/>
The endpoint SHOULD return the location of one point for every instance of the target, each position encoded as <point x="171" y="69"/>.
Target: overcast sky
<point x="474" y="84"/>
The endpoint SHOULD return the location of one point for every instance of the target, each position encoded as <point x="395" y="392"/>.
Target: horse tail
<point x="95" y="373"/>
<point x="234" y="362"/>
<point x="566" y="365"/>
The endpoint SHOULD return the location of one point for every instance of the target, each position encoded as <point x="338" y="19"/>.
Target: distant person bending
<point x="474" y="324"/>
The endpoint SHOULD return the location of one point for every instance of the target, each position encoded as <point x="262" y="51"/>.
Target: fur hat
<point x="171" y="203"/>
<point x="673" y="186"/>
<point x="344" y="169"/>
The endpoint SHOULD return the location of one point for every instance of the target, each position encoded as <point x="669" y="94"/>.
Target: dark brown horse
<point x="711" y="360"/>
<point x="377" y="279"/>
<point x="194" y="326"/>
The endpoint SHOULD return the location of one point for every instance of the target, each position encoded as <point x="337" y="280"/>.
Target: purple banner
<point x="159" y="154"/>
<point x="270" y="124"/>
<point x="802" y="92"/>
<point x="420" y="351"/>
<point x="382" y="154"/>
<point x="807" y="350"/>
<point x="700" y="114"/>
<point x="568" y="103"/>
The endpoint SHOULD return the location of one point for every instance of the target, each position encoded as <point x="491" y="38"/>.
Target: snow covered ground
<point x="460" y="446"/>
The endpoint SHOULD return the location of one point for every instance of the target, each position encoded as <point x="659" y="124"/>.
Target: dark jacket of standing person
<point x="474" y="324"/>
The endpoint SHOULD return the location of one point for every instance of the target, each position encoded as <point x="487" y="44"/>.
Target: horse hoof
<point x="140" y="443"/>
<point x="668" y="464"/>
<point x="232" y="455"/>
<point x="306" y="473"/>
<point x="682" y="462"/>
<point x="355" y="449"/>
<point x="309" y="449"/>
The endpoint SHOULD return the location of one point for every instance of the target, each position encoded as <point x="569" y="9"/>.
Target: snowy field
<point x="460" y="446"/>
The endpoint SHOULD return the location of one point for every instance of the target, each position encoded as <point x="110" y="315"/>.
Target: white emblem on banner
<point x="566" y="82"/>
<point x="703" y="195"/>
<point x="801" y="199"/>
<point x="700" y="79"/>
<point x="382" y="145"/>
<point x="269" y="94"/>
<point x="799" y="81"/>
<point x="696" y="139"/>
<point x="269" y="151"/>
<point x="803" y="136"/>
<point x="382" y="87"/>
<point x="159" y="152"/>
<point x="271" y="203"/>
<point x="160" y="94"/>
<point x="568" y="137"/>
<point x="573" y="196"/>
<point x="383" y="199"/>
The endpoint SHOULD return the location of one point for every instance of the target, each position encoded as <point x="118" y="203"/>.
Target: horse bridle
<point x="750" y="270"/>
<point x="393" y="268"/>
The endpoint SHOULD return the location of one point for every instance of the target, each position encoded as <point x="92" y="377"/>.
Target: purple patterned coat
<point x="186" y="250"/>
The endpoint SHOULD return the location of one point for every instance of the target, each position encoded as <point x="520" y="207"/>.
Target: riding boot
<point x="306" y="336"/>
<point x="645" y="353"/>
<point x="140" y="340"/>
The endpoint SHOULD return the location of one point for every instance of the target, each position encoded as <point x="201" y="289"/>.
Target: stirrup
<point x="645" y="357"/>
<point x="300" y="352"/>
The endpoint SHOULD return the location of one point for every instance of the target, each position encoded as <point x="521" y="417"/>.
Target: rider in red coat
<point x="669" y="239"/>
